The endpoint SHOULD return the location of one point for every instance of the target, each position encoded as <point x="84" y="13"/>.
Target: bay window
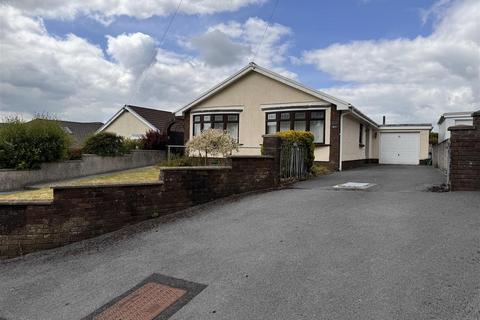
<point x="225" y="122"/>
<point x="301" y="120"/>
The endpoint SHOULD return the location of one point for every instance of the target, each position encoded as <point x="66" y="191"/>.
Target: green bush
<point x="319" y="170"/>
<point x="105" y="144"/>
<point x="303" y="138"/>
<point x="131" y="144"/>
<point x="25" y="145"/>
<point x="153" y="140"/>
<point x="74" y="154"/>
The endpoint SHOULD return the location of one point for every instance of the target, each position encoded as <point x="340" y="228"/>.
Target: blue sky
<point x="411" y="60"/>
<point x="315" y="24"/>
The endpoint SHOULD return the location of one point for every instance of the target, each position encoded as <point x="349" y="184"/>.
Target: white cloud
<point x="271" y="53"/>
<point x="106" y="10"/>
<point x="134" y="51"/>
<point x="411" y="79"/>
<point x="76" y="80"/>
<point x="217" y="49"/>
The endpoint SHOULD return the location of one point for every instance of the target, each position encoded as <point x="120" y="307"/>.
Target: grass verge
<point x="147" y="174"/>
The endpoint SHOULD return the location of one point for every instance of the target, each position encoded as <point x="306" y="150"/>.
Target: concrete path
<point x="308" y="252"/>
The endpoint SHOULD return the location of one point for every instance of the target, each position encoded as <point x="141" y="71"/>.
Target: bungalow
<point x="133" y="122"/>
<point x="256" y="101"/>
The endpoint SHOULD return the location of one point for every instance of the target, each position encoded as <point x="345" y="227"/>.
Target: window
<point x="360" y="135"/>
<point x="313" y="121"/>
<point x="226" y="122"/>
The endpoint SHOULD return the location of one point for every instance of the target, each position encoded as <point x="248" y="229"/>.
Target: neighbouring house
<point x="256" y="101"/>
<point x="133" y="122"/>
<point x="79" y="131"/>
<point x="451" y="119"/>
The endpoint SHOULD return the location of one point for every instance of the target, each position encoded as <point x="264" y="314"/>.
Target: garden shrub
<point x="131" y="144"/>
<point x="319" y="170"/>
<point x="74" y="154"/>
<point x="153" y="140"/>
<point x="212" y="142"/>
<point x="303" y="138"/>
<point x="104" y="144"/>
<point x="25" y="145"/>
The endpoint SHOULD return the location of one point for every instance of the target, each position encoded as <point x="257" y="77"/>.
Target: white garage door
<point x="399" y="148"/>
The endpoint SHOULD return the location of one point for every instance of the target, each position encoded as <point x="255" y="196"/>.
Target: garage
<point x="399" y="147"/>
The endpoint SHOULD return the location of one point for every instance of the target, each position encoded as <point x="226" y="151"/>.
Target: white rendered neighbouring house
<point x="451" y="119"/>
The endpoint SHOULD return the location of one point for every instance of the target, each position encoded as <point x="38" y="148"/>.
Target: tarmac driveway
<point x="307" y="252"/>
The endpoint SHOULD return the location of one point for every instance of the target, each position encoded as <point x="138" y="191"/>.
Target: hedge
<point x="105" y="144"/>
<point x="303" y="138"/>
<point x="26" y="145"/>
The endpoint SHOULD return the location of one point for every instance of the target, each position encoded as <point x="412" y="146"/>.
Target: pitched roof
<point x="155" y="119"/>
<point x="78" y="130"/>
<point x="252" y="67"/>
<point x="158" y="118"/>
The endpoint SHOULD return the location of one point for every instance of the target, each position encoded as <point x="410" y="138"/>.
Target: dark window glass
<point x="271" y="126"/>
<point x="360" y="136"/>
<point x="299" y="115"/>
<point x="317" y="115"/>
<point x="227" y="122"/>
<point x="313" y="121"/>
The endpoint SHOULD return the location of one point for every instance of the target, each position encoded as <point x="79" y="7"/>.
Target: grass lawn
<point x="147" y="174"/>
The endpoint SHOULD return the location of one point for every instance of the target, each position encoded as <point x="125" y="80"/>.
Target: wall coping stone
<point x="254" y="156"/>
<point x="196" y="168"/>
<point x="461" y="127"/>
<point x="97" y="186"/>
<point x="25" y="202"/>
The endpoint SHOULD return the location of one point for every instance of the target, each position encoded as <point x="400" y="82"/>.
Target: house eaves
<point x="126" y="108"/>
<point x="406" y="127"/>
<point x="252" y="67"/>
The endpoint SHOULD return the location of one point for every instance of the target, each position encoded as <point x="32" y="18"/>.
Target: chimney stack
<point x="383" y="120"/>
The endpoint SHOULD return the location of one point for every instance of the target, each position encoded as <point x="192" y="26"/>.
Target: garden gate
<point x="292" y="161"/>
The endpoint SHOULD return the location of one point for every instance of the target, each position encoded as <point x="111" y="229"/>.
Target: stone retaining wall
<point x="82" y="212"/>
<point x="89" y="164"/>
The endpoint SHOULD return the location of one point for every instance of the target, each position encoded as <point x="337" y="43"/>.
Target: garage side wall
<point x="351" y="149"/>
<point x="424" y="142"/>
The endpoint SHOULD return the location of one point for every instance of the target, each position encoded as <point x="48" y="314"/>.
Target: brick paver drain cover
<point x="157" y="297"/>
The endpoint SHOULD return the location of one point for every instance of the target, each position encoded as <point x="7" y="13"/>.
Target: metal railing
<point x="177" y="150"/>
<point x="292" y="162"/>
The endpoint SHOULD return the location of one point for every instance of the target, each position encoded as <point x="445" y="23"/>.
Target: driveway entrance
<point x="392" y="251"/>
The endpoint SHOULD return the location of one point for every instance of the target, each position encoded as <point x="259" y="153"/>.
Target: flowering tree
<point x="212" y="142"/>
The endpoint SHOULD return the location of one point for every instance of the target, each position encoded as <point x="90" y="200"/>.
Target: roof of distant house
<point x="159" y="118"/>
<point x="153" y="118"/>
<point x="78" y="130"/>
